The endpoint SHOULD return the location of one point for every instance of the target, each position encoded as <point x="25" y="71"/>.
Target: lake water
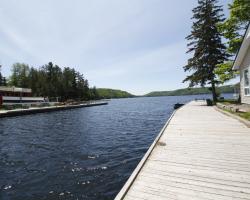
<point x="86" y="153"/>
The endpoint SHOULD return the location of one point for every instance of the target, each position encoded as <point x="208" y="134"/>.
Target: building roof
<point x="15" y="89"/>
<point x="243" y="50"/>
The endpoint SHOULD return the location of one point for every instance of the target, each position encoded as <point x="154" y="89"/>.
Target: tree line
<point x="212" y="59"/>
<point x="191" y="91"/>
<point x="52" y="81"/>
<point x="112" y="93"/>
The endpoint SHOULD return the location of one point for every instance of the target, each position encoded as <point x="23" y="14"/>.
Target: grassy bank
<point x="235" y="108"/>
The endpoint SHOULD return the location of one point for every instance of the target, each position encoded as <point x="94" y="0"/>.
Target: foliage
<point x="236" y="24"/>
<point x="111" y="93"/>
<point x="19" y="75"/>
<point x="94" y="94"/>
<point x="206" y="45"/>
<point x="233" y="30"/>
<point x="191" y="91"/>
<point x="225" y="72"/>
<point x="52" y="81"/>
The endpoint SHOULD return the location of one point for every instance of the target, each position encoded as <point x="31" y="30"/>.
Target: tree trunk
<point x="214" y="92"/>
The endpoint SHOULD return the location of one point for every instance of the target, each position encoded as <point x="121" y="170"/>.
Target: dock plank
<point x="204" y="154"/>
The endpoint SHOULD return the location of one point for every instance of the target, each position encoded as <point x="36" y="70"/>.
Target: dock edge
<point x="138" y="168"/>
<point x="20" y="112"/>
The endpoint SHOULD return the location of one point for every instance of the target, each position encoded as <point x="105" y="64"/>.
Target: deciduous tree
<point x="233" y="30"/>
<point x="20" y="75"/>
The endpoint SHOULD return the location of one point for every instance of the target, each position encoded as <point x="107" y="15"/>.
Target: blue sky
<point x="134" y="45"/>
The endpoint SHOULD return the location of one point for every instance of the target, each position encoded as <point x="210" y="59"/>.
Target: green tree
<point x="20" y="75"/>
<point x="233" y="30"/>
<point x="53" y="77"/>
<point x="51" y="81"/>
<point x="82" y="87"/>
<point x="94" y="93"/>
<point x="206" y="45"/>
<point x="234" y="27"/>
<point x="37" y="82"/>
<point x="225" y="72"/>
<point x="67" y="83"/>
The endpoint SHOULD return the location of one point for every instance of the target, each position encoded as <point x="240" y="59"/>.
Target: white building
<point x="13" y="95"/>
<point x="242" y="63"/>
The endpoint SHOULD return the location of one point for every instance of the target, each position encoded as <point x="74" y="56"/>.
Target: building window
<point x="246" y="82"/>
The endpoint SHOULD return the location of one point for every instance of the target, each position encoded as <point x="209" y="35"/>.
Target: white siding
<point x="244" y="65"/>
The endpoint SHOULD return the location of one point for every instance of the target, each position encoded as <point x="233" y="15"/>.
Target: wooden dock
<point x="200" y="154"/>
<point x="35" y="110"/>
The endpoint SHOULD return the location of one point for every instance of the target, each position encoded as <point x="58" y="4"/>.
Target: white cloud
<point x="167" y="61"/>
<point x="118" y="44"/>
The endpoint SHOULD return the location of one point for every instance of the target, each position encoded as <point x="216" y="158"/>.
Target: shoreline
<point x="29" y="111"/>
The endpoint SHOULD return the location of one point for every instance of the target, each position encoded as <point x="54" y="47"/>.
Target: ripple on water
<point x="83" y="153"/>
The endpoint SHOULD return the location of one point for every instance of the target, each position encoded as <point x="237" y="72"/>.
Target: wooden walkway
<point x="201" y="154"/>
<point x="35" y="110"/>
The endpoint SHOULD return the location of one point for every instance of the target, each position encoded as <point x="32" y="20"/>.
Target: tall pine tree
<point x="206" y="45"/>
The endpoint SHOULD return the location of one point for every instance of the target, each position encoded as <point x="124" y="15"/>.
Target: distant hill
<point x="112" y="93"/>
<point x="190" y="91"/>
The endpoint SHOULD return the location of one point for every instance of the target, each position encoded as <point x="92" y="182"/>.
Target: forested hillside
<point x="111" y="93"/>
<point x="191" y="91"/>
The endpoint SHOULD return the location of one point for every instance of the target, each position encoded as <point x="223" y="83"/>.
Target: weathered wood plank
<point x="206" y="156"/>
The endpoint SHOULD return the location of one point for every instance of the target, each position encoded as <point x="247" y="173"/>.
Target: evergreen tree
<point x="51" y="81"/>
<point x="94" y="93"/>
<point x="206" y="45"/>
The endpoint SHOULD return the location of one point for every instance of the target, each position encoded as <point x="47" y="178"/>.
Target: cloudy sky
<point x="133" y="45"/>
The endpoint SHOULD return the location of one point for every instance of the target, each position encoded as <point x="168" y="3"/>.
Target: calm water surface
<point x="86" y="153"/>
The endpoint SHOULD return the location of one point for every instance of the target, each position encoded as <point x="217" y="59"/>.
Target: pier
<point x="34" y="110"/>
<point x="200" y="154"/>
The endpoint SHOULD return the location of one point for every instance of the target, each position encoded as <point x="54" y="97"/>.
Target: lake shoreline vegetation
<point x="106" y="93"/>
<point x="52" y="82"/>
<point x="192" y="91"/>
<point x="66" y="84"/>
